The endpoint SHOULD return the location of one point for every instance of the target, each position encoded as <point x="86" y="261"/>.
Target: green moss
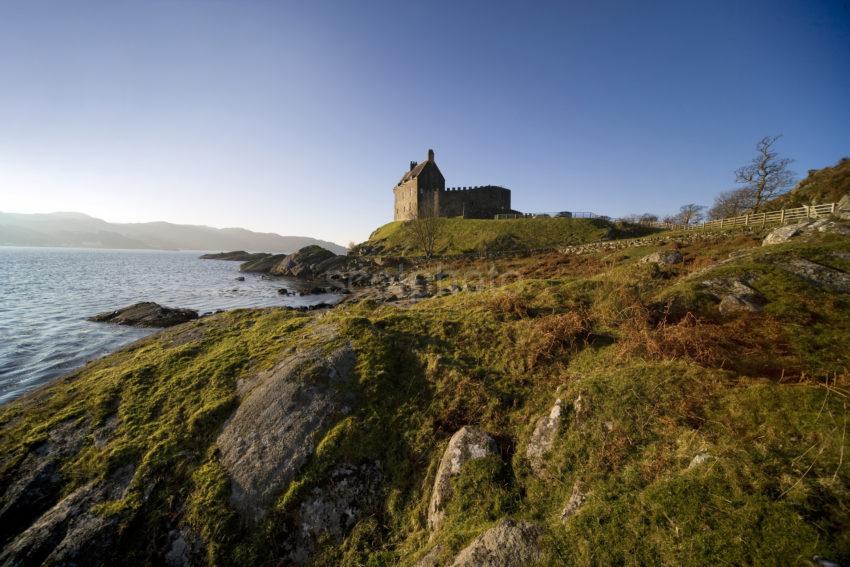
<point x="772" y="490"/>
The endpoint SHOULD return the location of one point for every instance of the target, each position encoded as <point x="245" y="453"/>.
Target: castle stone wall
<point x="475" y="202"/>
<point x="422" y="193"/>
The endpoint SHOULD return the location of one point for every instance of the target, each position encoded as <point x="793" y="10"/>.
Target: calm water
<point x="47" y="293"/>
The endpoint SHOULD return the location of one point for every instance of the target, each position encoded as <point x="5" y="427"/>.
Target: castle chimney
<point x="412" y="165"/>
<point x="430" y="155"/>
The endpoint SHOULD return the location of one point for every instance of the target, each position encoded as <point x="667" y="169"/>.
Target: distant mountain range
<point x="83" y="231"/>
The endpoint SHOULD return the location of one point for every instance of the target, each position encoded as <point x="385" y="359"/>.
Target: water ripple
<point x="47" y="293"/>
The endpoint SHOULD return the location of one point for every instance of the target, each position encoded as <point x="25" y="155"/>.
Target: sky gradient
<point x="300" y="117"/>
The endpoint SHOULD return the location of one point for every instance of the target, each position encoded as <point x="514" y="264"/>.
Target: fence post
<point x="747" y="219"/>
<point x="832" y="208"/>
<point x="782" y="217"/>
<point x="721" y="223"/>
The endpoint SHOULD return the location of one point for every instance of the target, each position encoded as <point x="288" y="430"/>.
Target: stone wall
<point x="475" y="202"/>
<point x="406" y="202"/>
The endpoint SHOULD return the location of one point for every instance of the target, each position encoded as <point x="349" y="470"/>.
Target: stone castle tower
<point x="422" y="192"/>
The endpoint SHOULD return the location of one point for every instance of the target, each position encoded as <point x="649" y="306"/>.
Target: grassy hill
<point x="698" y="437"/>
<point x="459" y="236"/>
<point x="825" y="185"/>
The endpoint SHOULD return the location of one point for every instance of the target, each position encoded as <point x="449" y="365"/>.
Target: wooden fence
<point x="782" y="216"/>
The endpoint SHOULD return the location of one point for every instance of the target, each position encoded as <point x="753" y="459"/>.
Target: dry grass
<point x="554" y="334"/>
<point x="748" y="344"/>
<point x="508" y="306"/>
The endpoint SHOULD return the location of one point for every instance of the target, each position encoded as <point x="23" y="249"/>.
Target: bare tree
<point x="767" y="175"/>
<point x="732" y="203"/>
<point x="690" y="213"/>
<point x="636" y="218"/>
<point x="426" y="228"/>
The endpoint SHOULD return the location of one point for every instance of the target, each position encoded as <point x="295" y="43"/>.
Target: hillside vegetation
<point x="460" y="236"/>
<point x="639" y="416"/>
<point x="825" y="185"/>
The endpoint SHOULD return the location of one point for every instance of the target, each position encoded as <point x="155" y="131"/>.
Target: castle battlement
<point x="422" y="192"/>
<point x="477" y="188"/>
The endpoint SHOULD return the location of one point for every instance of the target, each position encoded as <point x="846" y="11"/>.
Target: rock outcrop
<point x="236" y="256"/>
<point x="543" y="438"/>
<point x="509" y="544"/>
<point x="307" y="263"/>
<point x="735" y="294"/>
<point x="284" y="413"/>
<point x="786" y="233"/>
<point x="578" y="496"/>
<point x="666" y="257"/>
<point x="38" y="478"/>
<point x="71" y="531"/>
<point x="146" y="314"/>
<point x="331" y="511"/>
<point x="818" y="274"/>
<point x="468" y="444"/>
<point x="843" y="208"/>
<point x="262" y="265"/>
<point x="433" y="558"/>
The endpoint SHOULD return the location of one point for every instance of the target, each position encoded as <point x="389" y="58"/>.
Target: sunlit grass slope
<point x="458" y="236"/>
<point x="663" y="377"/>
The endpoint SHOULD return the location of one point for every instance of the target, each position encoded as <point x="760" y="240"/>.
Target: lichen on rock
<point x="543" y="437"/>
<point x="467" y="444"/>
<point x="508" y="544"/>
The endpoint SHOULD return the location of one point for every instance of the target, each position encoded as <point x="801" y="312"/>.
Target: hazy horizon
<point x="297" y="118"/>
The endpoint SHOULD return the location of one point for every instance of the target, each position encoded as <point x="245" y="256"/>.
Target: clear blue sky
<point x="299" y="117"/>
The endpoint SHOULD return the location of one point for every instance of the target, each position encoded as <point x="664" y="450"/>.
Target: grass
<point x="461" y="236"/>
<point x="662" y="375"/>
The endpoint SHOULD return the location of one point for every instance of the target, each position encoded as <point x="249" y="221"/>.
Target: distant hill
<point x="825" y="185"/>
<point x="80" y="230"/>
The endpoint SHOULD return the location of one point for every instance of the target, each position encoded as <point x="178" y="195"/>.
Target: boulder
<point x="782" y="234"/>
<point x="468" y="444"/>
<point x="146" y="314"/>
<point x="543" y="437"/>
<point x="735" y="294"/>
<point x="509" y="544"/>
<point x="667" y="257"/>
<point x="823" y="276"/>
<point x="699" y="459"/>
<point x="276" y="427"/>
<point x="578" y="496"/>
<point x="307" y="263"/>
<point x="786" y="233"/>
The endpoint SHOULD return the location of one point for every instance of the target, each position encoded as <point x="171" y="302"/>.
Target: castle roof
<point x="416" y="169"/>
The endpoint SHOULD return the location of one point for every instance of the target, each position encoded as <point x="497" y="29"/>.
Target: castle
<point x="422" y="193"/>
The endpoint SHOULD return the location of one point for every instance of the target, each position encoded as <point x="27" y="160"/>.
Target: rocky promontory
<point x="307" y="263"/>
<point x="146" y="314"/>
<point x="236" y="256"/>
<point x="543" y="409"/>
